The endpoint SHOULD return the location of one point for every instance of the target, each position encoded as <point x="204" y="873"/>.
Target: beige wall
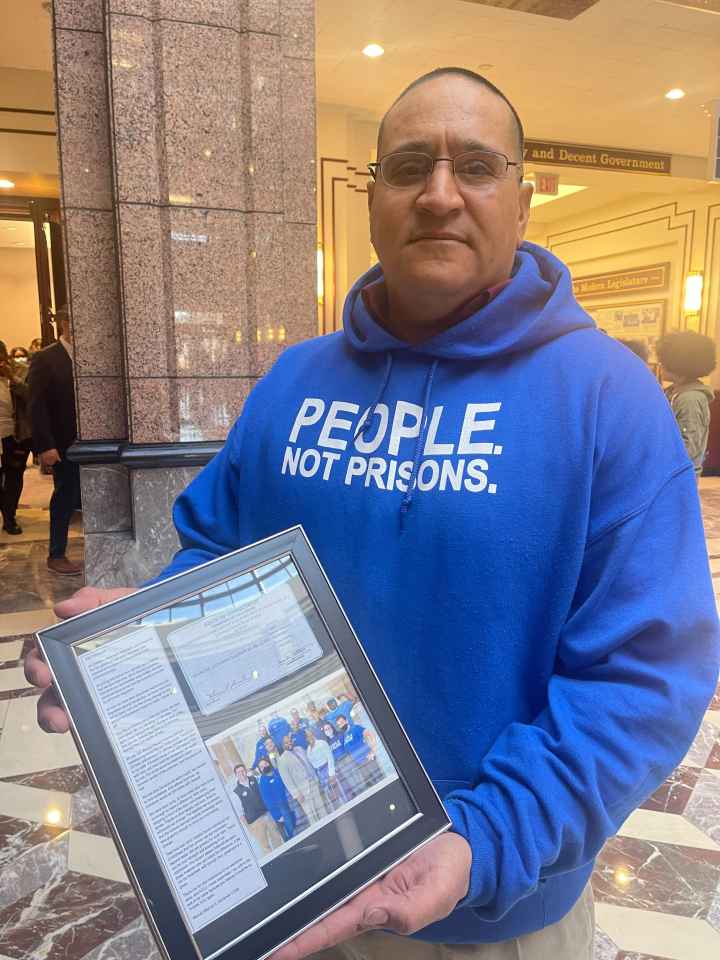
<point x="635" y="232"/>
<point x="345" y="144"/>
<point x="19" y="307"/>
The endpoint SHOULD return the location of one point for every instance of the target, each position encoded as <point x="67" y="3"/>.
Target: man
<point x="54" y="428"/>
<point x="298" y="735"/>
<point x="15" y="435"/>
<point x="276" y="798"/>
<point x="255" y="814"/>
<point x="279" y="728"/>
<point x="272" y="751"/>
<point x="260" y="748"/>
<point x="502" y="499"/>
<point x="685" y="357"/>
<point x="300" y="778"/>
<point x="360" y="746"/>
<point x="333" y="711"/>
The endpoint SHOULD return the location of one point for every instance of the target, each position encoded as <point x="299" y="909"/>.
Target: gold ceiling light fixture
<point x="373" y="50"/>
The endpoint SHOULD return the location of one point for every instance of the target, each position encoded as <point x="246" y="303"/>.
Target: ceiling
<point x="599" y="78"/>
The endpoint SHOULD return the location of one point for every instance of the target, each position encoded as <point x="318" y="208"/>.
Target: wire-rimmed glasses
<point x="475" y="168"/>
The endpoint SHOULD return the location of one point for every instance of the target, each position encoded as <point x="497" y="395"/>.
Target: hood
<point x="537" y="306"/>
<point x="695" y="385"/>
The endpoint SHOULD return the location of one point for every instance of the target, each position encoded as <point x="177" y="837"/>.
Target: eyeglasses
<point x="476" y="168"/>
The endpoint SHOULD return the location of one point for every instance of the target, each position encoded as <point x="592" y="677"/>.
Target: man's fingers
<point x="37" y="671"/>
<point x="51" y="716"/>
<point x="371" y="909"/>
<point x="88" y="598"/>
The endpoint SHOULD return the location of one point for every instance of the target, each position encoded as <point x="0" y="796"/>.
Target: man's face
<point x="287" y="743"/>
<point x="270" y="745"/>
<point x="444" y="237"/>
<point x="341" y="724"/>
<point x="241" y="774"/>
<point x="66" y="327"/>
<point x="264" y="766"/>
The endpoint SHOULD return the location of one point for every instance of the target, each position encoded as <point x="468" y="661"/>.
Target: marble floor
<point x="64" y="894"/>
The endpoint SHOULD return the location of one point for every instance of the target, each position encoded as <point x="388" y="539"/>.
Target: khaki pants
<point x="266" y="832"/>
<point x="569" y="939"/>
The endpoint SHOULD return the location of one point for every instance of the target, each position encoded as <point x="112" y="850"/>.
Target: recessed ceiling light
<point x="675" y="94"/>
<point x="7" y="184"/>
<point x="374" y="50"/>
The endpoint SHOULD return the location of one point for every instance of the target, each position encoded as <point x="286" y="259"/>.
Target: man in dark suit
<point x="54" y="427"/>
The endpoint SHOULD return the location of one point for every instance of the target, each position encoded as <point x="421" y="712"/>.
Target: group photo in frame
<point x="252" y="770"/>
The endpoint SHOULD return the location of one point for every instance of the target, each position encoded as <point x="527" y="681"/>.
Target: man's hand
<point x="48" y="458"/>
<point x="51" y="716"/>
<point x="422" y="889"/>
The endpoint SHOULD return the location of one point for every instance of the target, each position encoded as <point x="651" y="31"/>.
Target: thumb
<point x="376" y="916"/>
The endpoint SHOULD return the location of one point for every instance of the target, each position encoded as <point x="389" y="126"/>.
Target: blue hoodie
<point x="516" y="536"/>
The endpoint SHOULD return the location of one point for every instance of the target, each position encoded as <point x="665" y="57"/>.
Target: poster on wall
<point x="633" y="321"/>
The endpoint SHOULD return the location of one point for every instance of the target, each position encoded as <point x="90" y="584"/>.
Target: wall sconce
<point x="692" y="302"/>
<point x="320" y="257"/>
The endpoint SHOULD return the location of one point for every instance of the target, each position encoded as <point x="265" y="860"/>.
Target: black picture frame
<point x="144" y="869"/>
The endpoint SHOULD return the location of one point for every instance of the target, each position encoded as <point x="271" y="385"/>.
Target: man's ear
<point x="524" y="198"/>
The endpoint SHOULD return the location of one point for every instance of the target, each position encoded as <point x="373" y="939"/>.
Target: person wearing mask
<point x="507" y="501"/>
<point x="685" y="357"/>
<point x="255" y="814"/>
<point x="54" y="429"/>
<point x="15" y="435"/>
<point x="299" y="777"/>
<point x="276" y="798"/>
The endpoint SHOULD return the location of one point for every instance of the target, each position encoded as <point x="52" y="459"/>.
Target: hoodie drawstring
<point x="419" y="444"/>
<point x="364" y="425"/>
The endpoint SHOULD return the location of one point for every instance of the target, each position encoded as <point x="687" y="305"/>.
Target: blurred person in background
<point x="685" y="357"/>
<point x="638" y="347"/>
<point x="15" y="433"/>
<point x="54" y="429"/>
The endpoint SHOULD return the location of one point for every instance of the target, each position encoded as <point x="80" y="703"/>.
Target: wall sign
<point x="653" y="277"/>
<point x="597" y="158"/>
<point x="633" y="321"/>
<point x="547" y="183"/>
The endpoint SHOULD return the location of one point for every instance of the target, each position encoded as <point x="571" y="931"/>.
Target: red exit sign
<point x="547" y="183"/>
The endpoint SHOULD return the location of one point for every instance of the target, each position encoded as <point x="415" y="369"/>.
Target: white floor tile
<point x="713" y="545"/>
<point x="96" y="856"/>
<point x="657" y="827"/>
<point x="25" y="621"/>
<point x="659" y="934"/>
<point x="714" y="717"/>
<point x="13" y="678"/>
<point x="31" y="803"/>
<point x="24" y="748"/>
<point x="10" y="650"/>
